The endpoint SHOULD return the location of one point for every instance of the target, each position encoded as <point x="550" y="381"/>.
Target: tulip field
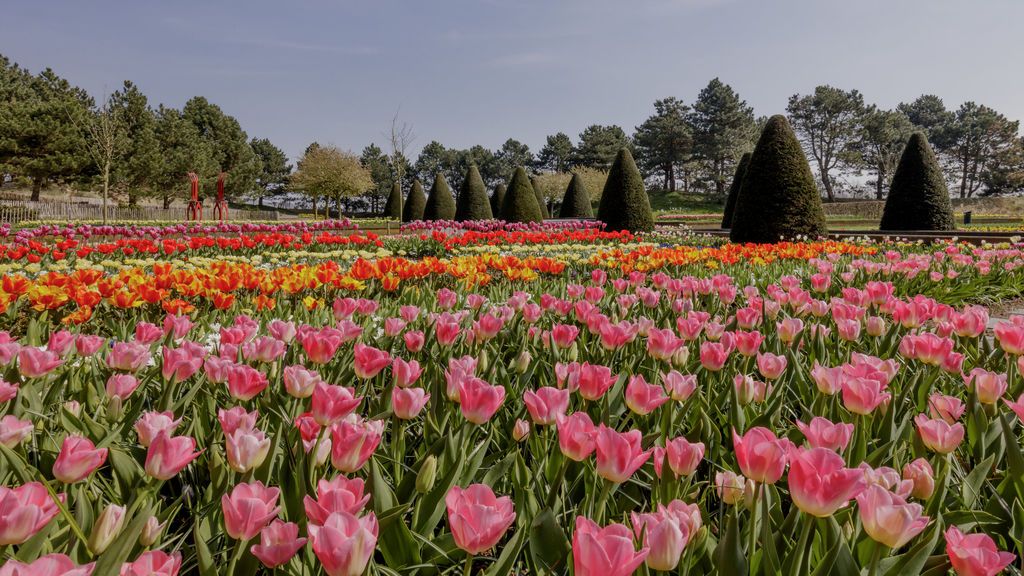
<point x="304" y="399"/>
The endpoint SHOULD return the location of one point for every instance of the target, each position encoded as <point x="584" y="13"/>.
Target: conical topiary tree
<point x="414" y="204"/>
<point x="624" y="202"/>
<point x="497" y="198"/>
<point x="734" y="190"/>
<point x="535" y="183"/>
<point x="576" y="202"/>
<point x="778" y="198"/>
<point x="520" y="203"/>
<point x="393" y="207"/>
<point x="473" y="203"/>
<point x="440" y="202"/>
<point x="918" y="198"/>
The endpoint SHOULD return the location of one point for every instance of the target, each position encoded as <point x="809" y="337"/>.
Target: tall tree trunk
<point x="167" y="201"/>
<point x="260" y="203"/>
<point x="879" y="183"/>
<point x="106" y="188"/>
<point x="826" y="181"/>
<point x="720" y="177"/>
<point x="133" y="199"/>
<point x="37" y="188"/>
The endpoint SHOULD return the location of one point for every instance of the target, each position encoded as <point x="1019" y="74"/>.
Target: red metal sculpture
<point x="194" y="212"/>
<point x="220" y="209"/>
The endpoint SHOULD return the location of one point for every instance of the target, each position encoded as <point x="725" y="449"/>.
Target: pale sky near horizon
<point x="467" y="72"/>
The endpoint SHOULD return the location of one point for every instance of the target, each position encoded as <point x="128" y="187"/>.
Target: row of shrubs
<point x="772" y="197"/>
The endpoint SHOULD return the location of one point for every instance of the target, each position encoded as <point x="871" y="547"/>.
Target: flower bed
<point x="542" y="402"/>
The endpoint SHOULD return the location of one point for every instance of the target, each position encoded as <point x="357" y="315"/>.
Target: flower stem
<point x="602" y="501"/>
<point x="752" y="547"/>
<point x="468" y="571"/>
<point x="876" y="556"/>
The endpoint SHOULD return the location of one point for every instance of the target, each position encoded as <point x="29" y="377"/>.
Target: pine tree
<point x="497" y="199"/>
<point x="473" y="203"/>
<point x="414" y="204"/>
<point x="535" y="183"/>
<point x="440" y="202"/>
<point x="393" y="207"/>
<point x="624" y="202"/>
<point x="918" y="197"/>
<point x="778" y="198"/>
<point x="734" y="191"/>
<point x="520" y="202"/>
<point x="576" y="202"/>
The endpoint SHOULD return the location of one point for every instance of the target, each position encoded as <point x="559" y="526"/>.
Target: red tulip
<point x="477" y="518"/>
<point x="78" y="458"/>
<point x="278" y="543"/>
<point x="975" y="554"/>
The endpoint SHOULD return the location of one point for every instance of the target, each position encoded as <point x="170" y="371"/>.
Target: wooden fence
<point x="14" y="211"/>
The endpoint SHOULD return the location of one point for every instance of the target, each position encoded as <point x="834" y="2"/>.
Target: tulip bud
<point x="150" y="531"/>
<point x="427" y="475"/>
<point x="74" y="407"/>
<point x="523" y="362"/>
<point x="483" y="361"/>
<point x="680" y="357"/>
<point x="521" y="430"/>
<point x="107" y="527"/>
<point x="749" y="489"/>
<point x="574" y="352"/>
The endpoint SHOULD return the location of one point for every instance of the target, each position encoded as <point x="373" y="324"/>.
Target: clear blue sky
<point x="470" y="72"/>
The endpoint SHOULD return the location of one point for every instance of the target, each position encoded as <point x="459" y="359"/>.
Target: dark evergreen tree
<point x="497" y="198"/>
<point x="473" y="203"/>
<point x="520" y="202"/>
<point x="576" y="202"/>
<point x="624" y="202"/>
<point x="415" y="203"/>
<point x="440" y="202"/>
<point x="734" y="190"/>
<point x="918" y="197"/>
<point x="778" y="198"/>
<point x="393" y="207"/>
<point x="535" y="183"/>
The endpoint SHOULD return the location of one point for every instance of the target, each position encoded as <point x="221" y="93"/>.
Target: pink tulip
<point x="1017" y="406"/>
<point x="245" y="382"/>
<point x="948" y="408"/>
<point x="248" y="509"/>
<point x="279" y="542"/>
<point x="246" y="448"/>
<point x="128" y="356"/>
<point x="662" y="344"/>
<point x="78" y="458"/>
<point x="595" y="380"/>
<point x="607" y="551"/>
<point x="177" y="327"/>
<point x="730" y="486"/>
<point x="748" y="343"/>
<point x="167" y="455"/>
<point x="828" y="380"/>
<point x="1011" y="335"/>
<point x="749" y="390"/>
<point x="477" y="518"/>
<point x="236" y="418"/>
<point x="771" y="366"/>
<point x="875" y="326"/>
<point x="49" y="565"/>
<point x="822" y="433"/>
<point x="344" y="543"/>
<point x="975" y="554"/>
<point x="564" y="335"/>
<point x="299" y="381"/>
<point x="923" y="477"/>
<point x="576" y="436"/>
<point x="643" y="398"/>
<point x="121" y="386"/>
<point x="414" y="340"/>
<point x="789" y="329"/>
<point x="86" y="345"/>
<point x="406" y="403"/>
<point x="546" y="404"/>
<point x="713" y="356"/>
<point x="319" y="345"/>
<point x="446" y="332"/>
<point x="282" y="330"/>
<point x="33" y="362"/>
<point x="146" y="333"/>
<point x="153" y="563"/>
<point x="352" y="443"/>
<point x="683" y="456"/>
<point x="339" y="495"/>
<point x="478" y="400"/>
<point x="404" y="373"/>
<point x="989" y="386"/>
<point x="179" y="364"/>
<point x="369" y="361"/>
<point x="887" y="518"/>
<point x="265" y="349"/>
<point x="938" y="435"/>
<point x="394" y="326"/>
<point x="331" y="404"/>
<point x="761" y="455"/>
<point x="666" y="533"/>
<point x="819" y="481"/>
<point x="14" y="431"/>
<point x="8" y="390"/>
<point x="152" y="423"/>
<point x="680" y="386"/>
<point x="619" y="454"/>
<point x="24" y="511"/>
<point x="520" y="430"/>
<point x="863" y="395"/>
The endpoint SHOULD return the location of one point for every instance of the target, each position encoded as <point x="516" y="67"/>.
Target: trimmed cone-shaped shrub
<point x="497" y="198"/>
<point x="440" y="202"/>
<point x="540" y="198"/>
<point x="520" y="203"/>
<point x="918" y="198"/>
<point x="624" y="202"/>
<point x="473" y="203"/>
<point x="393" y="207"/>
<point x="734" y="190"/>
<point x="778" y="198"/>
<point x="414" y="204"/>
<point x="576" y="202"/>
